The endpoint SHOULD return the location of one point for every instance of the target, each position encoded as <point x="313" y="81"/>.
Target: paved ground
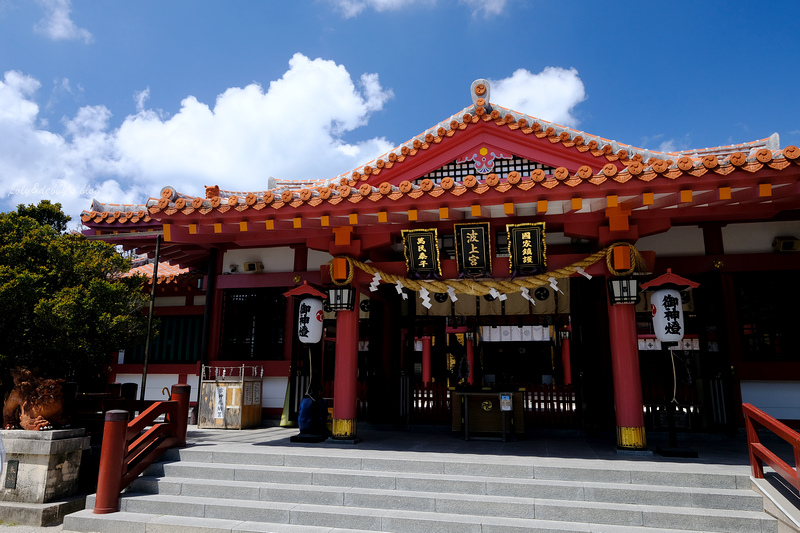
<point x="11" y="528"/>
<point x="722" y="450"/>
<point x="711" y="448"/>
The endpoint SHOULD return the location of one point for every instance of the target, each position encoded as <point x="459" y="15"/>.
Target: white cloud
<point x="660" y="143"/>
<point x="352" y="8"/>
<point x="667" y="146"/>
<point x="58" y="25"/>
<point x="485" y="8"/>
<point x="37" y="164"/>
<point x="550" y="95"/>
<point x="141" y="98"/>
<point x="292" y="129"/>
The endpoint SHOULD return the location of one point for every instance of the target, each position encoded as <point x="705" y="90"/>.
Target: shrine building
<point x="500" y="268"/>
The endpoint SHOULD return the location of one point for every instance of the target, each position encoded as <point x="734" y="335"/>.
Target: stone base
<point x="45" y="465"/>
<point x="40" y="514"/>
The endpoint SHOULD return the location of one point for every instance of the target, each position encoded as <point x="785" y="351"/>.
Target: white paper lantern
<point x="309" y="321"/>
<point x="667" y="310"/>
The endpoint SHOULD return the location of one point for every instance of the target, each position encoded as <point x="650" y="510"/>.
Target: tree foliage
<point x="46" y="213"/>
<point x="64" y="304"/>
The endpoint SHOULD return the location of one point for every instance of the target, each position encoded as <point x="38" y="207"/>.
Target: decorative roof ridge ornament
<point x="480" y="90"/>
<point x="773" y="142"/>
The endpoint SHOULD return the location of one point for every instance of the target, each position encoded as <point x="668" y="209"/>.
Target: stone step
<point x="85" y="521"/>
<point x="512" y="467"/>
<point x="226" y="488"/>
<point x="467" y="514"/>
<point x="122" y="522"/>
<point x="332" y="488"/>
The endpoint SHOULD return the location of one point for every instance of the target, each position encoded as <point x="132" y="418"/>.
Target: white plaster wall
<point x="317" y="259"/>
<point x="277" y="259"/>
<point x="169" y="301"/>
<point x="199" y="300"/>
<point x="156" y="384"/>
<point x="751" y="238"/>
<point x="780" y="399"/>
<point x="273" y="391"/>
<point x="677" y="241"/>
<point x="554" y="238"/>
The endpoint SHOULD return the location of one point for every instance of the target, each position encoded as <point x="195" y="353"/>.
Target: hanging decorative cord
<point x="480" y="288"/>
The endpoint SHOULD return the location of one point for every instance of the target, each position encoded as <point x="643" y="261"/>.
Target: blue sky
<point x="114" y="100"/>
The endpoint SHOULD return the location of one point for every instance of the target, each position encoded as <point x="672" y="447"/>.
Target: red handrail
<point x="756" y="419"/>
<point x="128" y="449"/>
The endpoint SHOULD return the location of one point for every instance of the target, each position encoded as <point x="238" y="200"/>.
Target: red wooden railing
<point x="130" y="447"/>
<point x="756" y="419"/>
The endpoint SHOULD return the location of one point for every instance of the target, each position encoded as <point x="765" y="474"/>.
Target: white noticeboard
<point x="257" y="393"/>
<point x="219" y="402"/>
<point x="505" y="402"/>
<point x="248" y="393"/>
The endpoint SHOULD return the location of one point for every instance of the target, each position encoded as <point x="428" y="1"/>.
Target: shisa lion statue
<point x="33" y="404"/>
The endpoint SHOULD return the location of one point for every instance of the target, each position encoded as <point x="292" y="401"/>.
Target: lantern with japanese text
<point x="309" y="321"/>
<point x="666" y="305"/>
<point x="667" y="310"/>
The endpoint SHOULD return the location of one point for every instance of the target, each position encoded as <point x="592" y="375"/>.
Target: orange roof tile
<point x="639" y="164"/>
<point x="684" y="165"/>
<point x="166" y="273"/>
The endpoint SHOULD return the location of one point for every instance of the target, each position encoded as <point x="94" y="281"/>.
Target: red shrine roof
<point x="570" y="167"/>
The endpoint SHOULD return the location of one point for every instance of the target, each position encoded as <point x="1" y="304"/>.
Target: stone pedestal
<point x="40" y="475"/>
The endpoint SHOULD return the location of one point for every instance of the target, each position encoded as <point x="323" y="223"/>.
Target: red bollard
<point x="180" y="394"/>
<point x="112" y="462"/>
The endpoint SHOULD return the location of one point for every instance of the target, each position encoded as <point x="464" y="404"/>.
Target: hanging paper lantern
<point x="309" y="321"/>
<point x="667" y="310"/>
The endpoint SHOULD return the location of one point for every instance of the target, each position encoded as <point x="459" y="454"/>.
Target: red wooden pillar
<point x="470" y="360"/>
<point x="426" y="360"/>
<point x="627" y="378"/>
<point x="345" y="384"/>
<point x="180" y="394"/>
<point x="566" y="361"/>
<point x="112" y="461"/>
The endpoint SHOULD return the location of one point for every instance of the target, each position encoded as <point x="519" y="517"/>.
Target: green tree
<point x="46" y="213"/>
<point x="64" y="303"/>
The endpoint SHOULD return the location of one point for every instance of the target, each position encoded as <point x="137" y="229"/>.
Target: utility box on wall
<point x="230" y="397"/>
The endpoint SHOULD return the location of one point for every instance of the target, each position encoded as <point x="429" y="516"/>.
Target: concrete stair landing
<point x="249" y="487"/>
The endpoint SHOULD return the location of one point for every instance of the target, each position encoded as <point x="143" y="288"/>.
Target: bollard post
<point x="180" y="394"/>
<point x="112" y="462"/>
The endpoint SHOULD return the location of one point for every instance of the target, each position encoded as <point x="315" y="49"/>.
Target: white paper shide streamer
<point x="425" y="297"/>
<point x="376" y="280"/>
<point x="399" y="286"/>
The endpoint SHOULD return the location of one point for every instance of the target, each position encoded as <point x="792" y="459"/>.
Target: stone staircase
<point x="229" y="487"/>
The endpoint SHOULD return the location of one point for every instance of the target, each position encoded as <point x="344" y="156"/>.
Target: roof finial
<point x="480" y="90"/>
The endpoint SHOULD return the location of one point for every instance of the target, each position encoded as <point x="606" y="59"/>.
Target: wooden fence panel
<point x="431" y="403"/>
<point x="550" y="405"/>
